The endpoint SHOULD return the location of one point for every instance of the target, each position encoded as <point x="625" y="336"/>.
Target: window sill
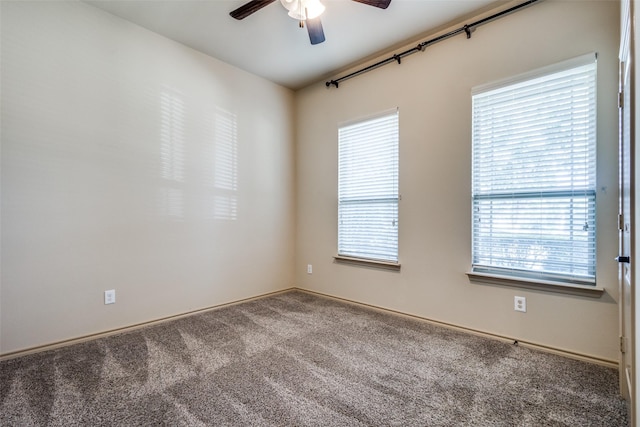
<point x="364" y="262"/>
<point x="545" y="285"/>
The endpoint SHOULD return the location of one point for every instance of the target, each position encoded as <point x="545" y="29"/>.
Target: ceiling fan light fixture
<point x="302" y="10"/>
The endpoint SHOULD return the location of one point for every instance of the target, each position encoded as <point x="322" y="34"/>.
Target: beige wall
<point x="432" y="90"/>
<point x="133" y="163"/>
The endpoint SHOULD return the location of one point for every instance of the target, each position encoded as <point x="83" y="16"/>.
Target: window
<point x="368" y="188"/>
<point x="534" y="175"/>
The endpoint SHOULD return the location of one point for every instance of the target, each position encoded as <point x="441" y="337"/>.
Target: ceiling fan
<point x="308" y="11"/>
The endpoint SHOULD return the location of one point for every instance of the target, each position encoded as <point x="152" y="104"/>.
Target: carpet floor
<point x="296" y="359"/>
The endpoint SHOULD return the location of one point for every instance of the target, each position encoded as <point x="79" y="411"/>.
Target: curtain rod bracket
<point x="421" y="47"/>
<point x="332" y="82"/>
<point x="467" y="29"/>
<point x="398" y="58"/>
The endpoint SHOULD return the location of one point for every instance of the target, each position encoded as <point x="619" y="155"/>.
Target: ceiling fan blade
<point x="382" y="4"/>
<point x="249" y="8"/>
<point x="316" y="33"/>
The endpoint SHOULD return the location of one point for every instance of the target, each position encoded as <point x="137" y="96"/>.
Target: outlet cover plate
<point x="110" y="296"/>
<point x="520" y="304"/>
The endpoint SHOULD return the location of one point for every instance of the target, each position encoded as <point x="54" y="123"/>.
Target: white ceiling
<point x="270" y="44"/>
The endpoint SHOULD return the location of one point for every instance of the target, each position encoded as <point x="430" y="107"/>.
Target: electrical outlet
<point x="309" y="269"/>
<point x="110" y="296"/>
<point x="520" y="304"/>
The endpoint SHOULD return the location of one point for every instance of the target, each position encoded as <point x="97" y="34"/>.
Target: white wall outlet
<point x="520" y="304"/>
<point x="110" y="296"/>
<point x="309" y="269"/>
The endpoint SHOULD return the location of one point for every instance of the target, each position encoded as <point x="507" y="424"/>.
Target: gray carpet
<point x="298" y="359"/>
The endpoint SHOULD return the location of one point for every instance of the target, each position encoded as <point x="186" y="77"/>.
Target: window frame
<point x="537" y="279"/>
<point x="350" y="256"/>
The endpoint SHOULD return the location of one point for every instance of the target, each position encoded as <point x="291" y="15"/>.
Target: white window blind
<point x="534" y="175"/>
<point x="368" y="188"/>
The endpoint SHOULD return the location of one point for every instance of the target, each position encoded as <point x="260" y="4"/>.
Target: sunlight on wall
<point x="172" y="136"/>
<point x="172" y="154"/>
<point x="170" y="203"/>
<point x="225" y="173"/>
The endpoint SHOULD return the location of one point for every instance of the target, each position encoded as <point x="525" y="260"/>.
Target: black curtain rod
<point x="422" y="46"/>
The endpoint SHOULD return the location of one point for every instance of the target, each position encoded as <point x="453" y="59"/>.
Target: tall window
<point x="534" y="174"/>
<point x="368" y="188"/>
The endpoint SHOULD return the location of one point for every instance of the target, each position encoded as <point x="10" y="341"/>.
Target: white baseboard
<point x="84" y="338"/>
<point x="533" y="345"/>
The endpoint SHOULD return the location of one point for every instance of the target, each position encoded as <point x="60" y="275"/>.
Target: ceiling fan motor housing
<point x="302" y="10"/>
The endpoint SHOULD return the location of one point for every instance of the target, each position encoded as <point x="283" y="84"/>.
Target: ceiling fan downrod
<point x="305" y="16"/>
